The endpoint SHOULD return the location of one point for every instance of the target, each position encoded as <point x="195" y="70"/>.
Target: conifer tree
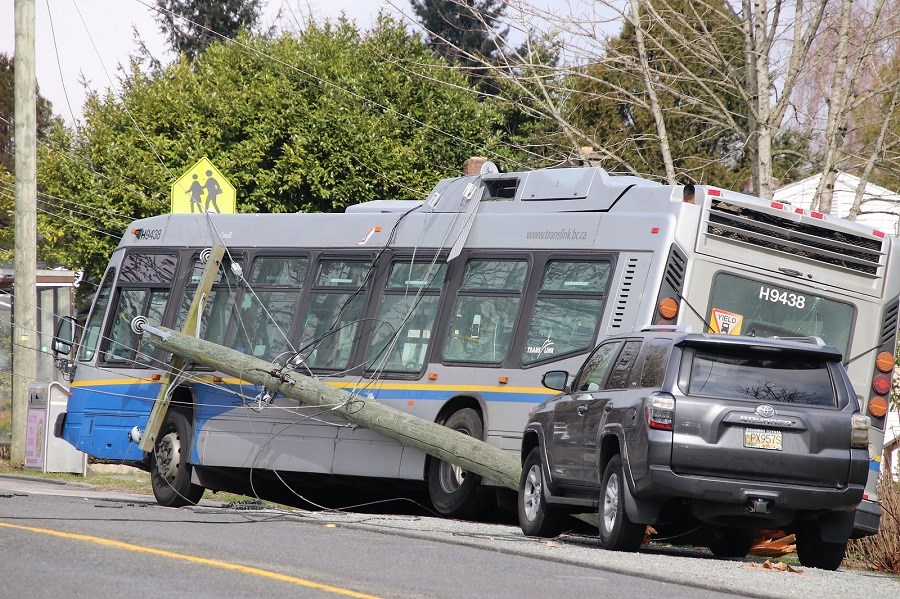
<point x="191" y="25"/>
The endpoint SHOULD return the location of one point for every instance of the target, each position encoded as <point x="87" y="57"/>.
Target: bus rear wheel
<point x="170" y="470"/>
<point x="454" y="492"/>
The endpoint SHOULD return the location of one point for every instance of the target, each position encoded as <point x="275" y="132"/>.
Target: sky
<point x="86" y="40"/>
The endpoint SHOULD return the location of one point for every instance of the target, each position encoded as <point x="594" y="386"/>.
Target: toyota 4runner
<point x="682" y="430"/>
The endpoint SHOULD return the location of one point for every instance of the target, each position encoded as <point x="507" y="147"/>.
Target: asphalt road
<point x="73" y="541"/>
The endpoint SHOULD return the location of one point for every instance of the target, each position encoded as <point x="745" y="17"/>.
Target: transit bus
<point x="451" y="309"/>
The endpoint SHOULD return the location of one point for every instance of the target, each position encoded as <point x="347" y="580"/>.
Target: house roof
<point x="880" y="207"/>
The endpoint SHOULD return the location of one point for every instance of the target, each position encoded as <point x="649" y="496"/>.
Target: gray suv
<point x="679" y="430"/>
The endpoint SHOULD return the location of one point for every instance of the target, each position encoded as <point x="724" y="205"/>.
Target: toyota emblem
<point x="765" y="411"/>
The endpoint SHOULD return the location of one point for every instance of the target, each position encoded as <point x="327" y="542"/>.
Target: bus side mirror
<point x="63" y="340"/>
<point x="556" y="380"/>
<point x="64" y="337"/>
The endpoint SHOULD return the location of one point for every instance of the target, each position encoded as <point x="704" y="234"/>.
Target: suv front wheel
<point x="536" y="517"/>
<point x="617" y="532"/>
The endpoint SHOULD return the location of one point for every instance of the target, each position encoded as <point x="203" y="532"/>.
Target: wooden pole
<point x="191" y="326"/>
<point x="25" y="341"/>
<point x="474" y="455"/>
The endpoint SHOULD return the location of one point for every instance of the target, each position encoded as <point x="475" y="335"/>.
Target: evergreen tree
<point x="466" y="33"/>
<point x="355" y="117"/>
<point x="7" y="106"/>
<point x="192" y="25"/>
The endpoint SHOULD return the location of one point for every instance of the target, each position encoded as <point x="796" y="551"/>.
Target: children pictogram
<point x="202" y="188"/>
<point x="196" y="190"/>
<point x="213" y="189"/>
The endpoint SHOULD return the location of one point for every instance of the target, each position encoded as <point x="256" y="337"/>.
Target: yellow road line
<point x="196" y="560"/>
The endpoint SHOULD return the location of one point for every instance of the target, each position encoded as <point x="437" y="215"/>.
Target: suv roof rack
<point x="668" y="328"/>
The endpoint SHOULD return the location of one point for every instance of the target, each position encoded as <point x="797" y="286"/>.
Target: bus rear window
<point x="741" y="306"/>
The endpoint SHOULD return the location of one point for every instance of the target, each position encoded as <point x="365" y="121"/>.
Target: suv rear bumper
<point x="665" y="484"/>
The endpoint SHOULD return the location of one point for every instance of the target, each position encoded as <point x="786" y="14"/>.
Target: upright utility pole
<point x="24" y="285"/>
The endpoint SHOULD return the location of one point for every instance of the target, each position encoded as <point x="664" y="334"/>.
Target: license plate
<point x="762" y="439"/>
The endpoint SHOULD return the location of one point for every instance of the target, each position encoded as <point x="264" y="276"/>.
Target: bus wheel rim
<point x="167" y="455"/>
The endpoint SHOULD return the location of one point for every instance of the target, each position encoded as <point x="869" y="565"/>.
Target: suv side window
<point x="597" y="367"/>
<point x="655" y="362"/>
<point x="618" y="378"/>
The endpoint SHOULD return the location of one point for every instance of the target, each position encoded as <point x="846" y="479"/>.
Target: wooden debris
<point x="775" y="546"/>
<point x="777" y="566"/>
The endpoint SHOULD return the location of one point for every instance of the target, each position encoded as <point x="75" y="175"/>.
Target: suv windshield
<point x="761" y="377"/>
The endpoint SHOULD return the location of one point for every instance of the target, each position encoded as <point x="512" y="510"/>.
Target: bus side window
<point x="406" y="316"/>
<point x="219" y="305"/>
<point x="269" y="305"/>
<point x="485" y="311"/>
<point x="568" y="309"/>
<point x="91" y="336"/>
<point x="336" y="302"/>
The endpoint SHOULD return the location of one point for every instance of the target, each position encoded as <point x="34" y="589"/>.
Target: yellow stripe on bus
<point x="345" y="385"/>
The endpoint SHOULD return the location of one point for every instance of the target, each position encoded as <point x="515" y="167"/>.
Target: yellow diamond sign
<point x="203" y="189"/>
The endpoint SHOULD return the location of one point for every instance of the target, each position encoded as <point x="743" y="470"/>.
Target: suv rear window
<point x="757" y="377"/>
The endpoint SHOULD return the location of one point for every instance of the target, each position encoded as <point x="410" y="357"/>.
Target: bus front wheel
<point x="170" y="470"/>
<point x="454" y="492"/>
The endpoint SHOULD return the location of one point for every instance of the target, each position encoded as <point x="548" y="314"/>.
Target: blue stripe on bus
<point x="99" y="417"/>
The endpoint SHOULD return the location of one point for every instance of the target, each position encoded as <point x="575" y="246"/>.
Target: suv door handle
<point x="582" y="409"/>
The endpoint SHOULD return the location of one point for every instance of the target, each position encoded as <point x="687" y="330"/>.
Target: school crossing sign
<point x="203" y="189"/>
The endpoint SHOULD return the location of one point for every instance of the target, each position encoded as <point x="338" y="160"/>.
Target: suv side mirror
<point x="556" y="380"/>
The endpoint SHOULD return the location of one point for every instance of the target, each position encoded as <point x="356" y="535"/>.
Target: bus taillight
<point x="881" y="384"/>
<point x="878" y="407"/>
<point x="884" y="362"/>
<point x="667" y="308"/>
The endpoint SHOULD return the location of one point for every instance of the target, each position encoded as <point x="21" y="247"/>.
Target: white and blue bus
<point x="452" y="309"/>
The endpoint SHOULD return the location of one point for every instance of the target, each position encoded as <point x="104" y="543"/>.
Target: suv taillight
<point x="859" y="433"/>
<point x="661" y="411"/>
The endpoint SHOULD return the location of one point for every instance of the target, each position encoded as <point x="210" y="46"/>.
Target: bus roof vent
<point x="625" y="289"/>
<point x="502" y="188"/>
<point x="889" y="328"/>
<point x="744" y="224"/>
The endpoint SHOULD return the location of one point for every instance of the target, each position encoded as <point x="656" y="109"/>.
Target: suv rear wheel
<point x="617" y="532"/>
<point x="813" y="552"/>
<point x="536" y="517"/>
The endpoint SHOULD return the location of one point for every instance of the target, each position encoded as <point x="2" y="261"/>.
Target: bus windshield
<point x="740" y="306"/>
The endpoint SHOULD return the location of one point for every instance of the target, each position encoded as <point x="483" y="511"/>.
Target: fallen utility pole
<point x="474" y="455"/>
